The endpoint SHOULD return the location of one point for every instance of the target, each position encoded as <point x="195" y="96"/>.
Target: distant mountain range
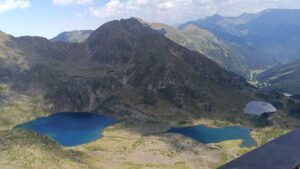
<point x="73" y="36"/>
<point x="240" y="59"/>
<point x="273" y="32"/>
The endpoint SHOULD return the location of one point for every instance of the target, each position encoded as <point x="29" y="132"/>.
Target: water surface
<point x="206" y="134"/>
<point x="70" y="129"/>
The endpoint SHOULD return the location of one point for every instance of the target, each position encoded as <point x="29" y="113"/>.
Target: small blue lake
<point x="70" y="129"/>
<point x="206" y="134"/>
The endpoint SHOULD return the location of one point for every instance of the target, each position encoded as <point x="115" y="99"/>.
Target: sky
<point x="48" y="18"/>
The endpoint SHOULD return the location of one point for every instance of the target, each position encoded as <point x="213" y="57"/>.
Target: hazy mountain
<point x="231" y="56"/>
<point x="73" y="36"/>
<point x="274" y="32"/>
<point x="285" y="77"/>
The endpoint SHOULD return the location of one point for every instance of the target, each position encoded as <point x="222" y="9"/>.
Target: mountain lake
<point x="207" y="135"/>
<point x="70" y="129"/>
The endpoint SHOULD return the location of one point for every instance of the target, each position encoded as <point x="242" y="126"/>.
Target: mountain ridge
<point x="240" y="59"/>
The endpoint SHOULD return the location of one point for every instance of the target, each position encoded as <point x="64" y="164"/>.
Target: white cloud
<point x="148" y="9"/>
<point x="8" y="5"/>
<point x="166" y="5"/>
<point x="111" y="9"/>
<point x="71" y="2"/>
<point x="176" y="11"/>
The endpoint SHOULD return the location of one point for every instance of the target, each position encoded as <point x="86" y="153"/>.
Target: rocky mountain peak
<point x="114" y="41"/>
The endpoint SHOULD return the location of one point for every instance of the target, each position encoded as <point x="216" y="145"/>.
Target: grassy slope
<point x="285" y="77"/>
<point x="23" y="149"/>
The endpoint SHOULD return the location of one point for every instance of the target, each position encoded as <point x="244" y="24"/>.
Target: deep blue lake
<point x="206" y="134"/>
<point x="70" y="129"/>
